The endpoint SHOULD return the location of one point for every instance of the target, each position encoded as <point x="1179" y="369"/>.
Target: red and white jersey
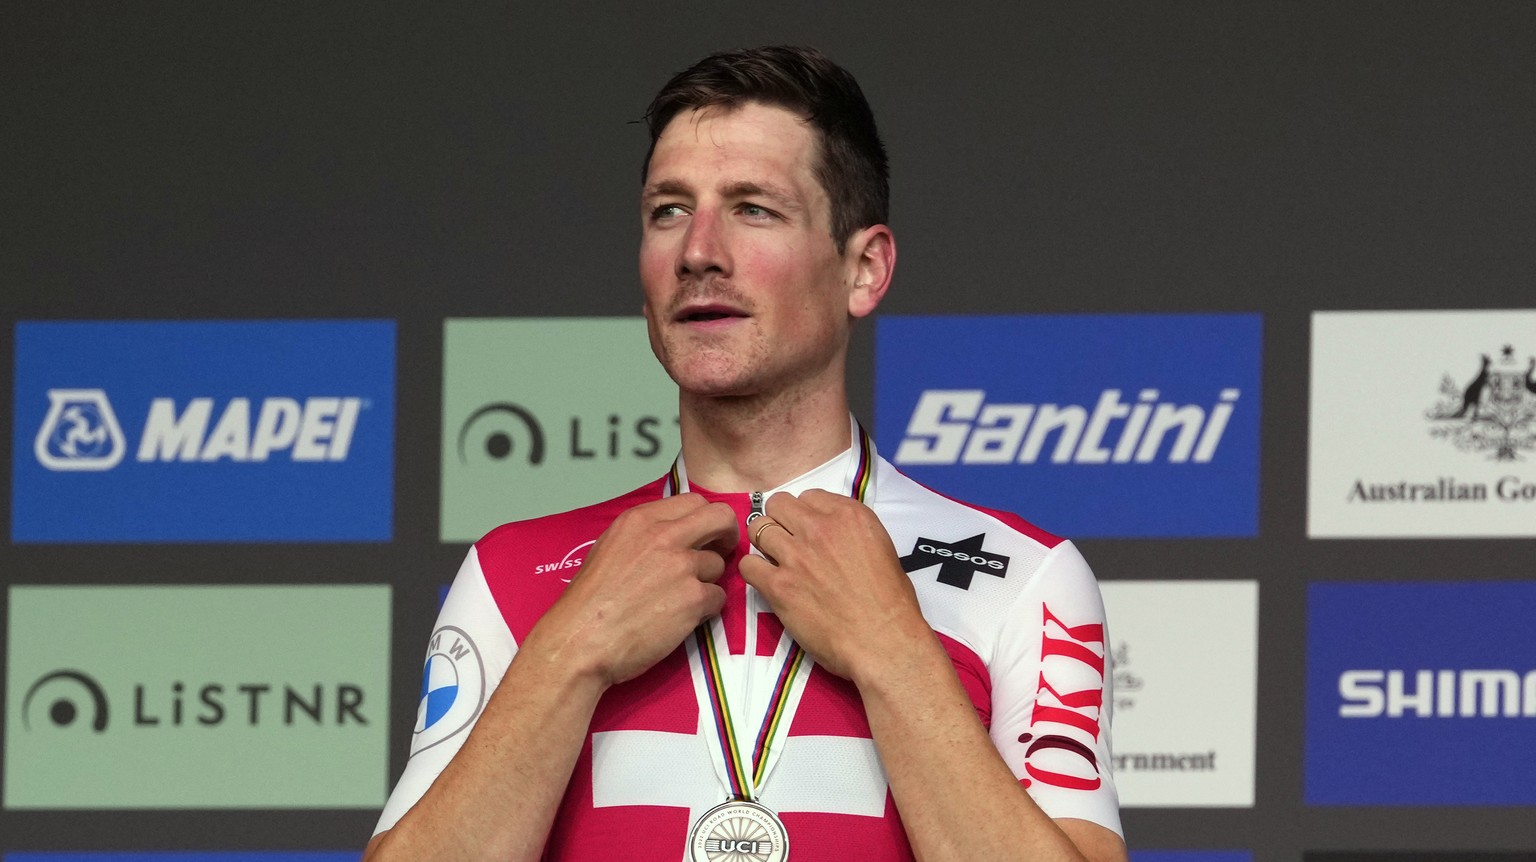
<point x="1016" y="608"/>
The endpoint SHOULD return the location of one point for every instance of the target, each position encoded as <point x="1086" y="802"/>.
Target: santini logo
<point x="1437" y="693"/>
<point x="81" y="431"/>
<point x="951" y="426"/>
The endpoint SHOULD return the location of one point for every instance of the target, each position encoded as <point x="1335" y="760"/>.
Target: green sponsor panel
<point x="546" y="415"/>
<point x="197" y="697"/>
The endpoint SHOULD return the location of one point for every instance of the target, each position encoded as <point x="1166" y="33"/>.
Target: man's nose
<point x="705" y="249"/>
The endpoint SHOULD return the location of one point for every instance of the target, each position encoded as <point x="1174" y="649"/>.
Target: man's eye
<point x="755" y="211"/>
<point x="666" y="211"/>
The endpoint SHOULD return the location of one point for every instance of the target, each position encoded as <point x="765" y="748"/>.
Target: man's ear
<point x="872" y="252"/>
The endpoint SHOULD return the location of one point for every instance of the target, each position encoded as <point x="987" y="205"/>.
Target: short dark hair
<point x="852" y="167"/>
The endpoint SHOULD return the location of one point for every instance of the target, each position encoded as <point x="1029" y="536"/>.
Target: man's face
<point x="745" y="291"/>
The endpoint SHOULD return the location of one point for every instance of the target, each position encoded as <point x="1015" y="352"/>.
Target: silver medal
<point x="738" y="831"/>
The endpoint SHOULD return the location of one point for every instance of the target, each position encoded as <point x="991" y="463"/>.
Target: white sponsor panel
<point x="1423" y="424"/>
<point x="1186" y="666"/>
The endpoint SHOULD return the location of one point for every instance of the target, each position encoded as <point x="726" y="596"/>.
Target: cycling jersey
<point x="1016" y="609"/>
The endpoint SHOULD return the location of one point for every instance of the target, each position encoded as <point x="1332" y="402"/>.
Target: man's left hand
<point x="834" y="579"/>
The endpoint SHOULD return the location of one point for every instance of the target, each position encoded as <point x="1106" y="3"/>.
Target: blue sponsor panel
<point x="203" y="431"/>
<point x="1134" y="426"/>
<point x="1421" y="694"/>
<point x="1191" y="856"/>
<point x="188" y="856"/>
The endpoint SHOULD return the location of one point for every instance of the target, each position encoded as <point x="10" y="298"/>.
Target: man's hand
<point x="648" y="581"/>
<point x="835" y="581"/>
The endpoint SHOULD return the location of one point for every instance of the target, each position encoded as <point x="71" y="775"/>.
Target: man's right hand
<point x="648" y="581"/>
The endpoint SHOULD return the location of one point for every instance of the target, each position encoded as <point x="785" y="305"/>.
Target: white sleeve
<point x="469" y="651"/>
<point x="1051" y="692"/>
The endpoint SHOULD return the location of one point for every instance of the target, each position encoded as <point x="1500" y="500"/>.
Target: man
<point x="747" y="671"/>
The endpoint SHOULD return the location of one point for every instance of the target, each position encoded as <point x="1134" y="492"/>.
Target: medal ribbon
<point x="742" y="784"/>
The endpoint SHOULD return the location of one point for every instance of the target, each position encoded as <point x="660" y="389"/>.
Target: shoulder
<point x="527" y="564"/>
<point x="537" y="538"/>
<point x="974" y="567"/>
<point x="909" y="508"/>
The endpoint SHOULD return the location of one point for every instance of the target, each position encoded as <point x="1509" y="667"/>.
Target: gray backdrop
<point x="423" y="161"/>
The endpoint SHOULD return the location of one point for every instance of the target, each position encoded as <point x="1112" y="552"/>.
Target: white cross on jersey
<point x="827" y="774"/>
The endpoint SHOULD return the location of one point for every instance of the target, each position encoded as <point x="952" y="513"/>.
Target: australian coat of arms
<point x="1495" y="412"/>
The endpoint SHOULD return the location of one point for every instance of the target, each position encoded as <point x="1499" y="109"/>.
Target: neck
<point x="752" y="443"/>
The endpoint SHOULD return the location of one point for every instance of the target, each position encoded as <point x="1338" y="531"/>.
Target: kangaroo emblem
<point x="1473" y="396"/>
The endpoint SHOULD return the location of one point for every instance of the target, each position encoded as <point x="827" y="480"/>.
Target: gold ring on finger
<point x="763" y="524"/>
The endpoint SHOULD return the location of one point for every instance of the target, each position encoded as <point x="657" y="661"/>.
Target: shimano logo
<point x="81" y="431"/>
<point x="958" y="426"/>
<point x="1437" y="694"/>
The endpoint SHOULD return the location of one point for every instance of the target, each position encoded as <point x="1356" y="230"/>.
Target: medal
<point x="738" y="831"/>
<point x="742" y="829"/>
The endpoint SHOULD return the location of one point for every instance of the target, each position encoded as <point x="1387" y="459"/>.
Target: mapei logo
<point x="1091" y="425"/>
<point x="957" y="561"/>
<point x="1494" y="412"/>
<point x="1420" y="693"/>
<point x="203" y="431"/>
<point x="81" y="431"/>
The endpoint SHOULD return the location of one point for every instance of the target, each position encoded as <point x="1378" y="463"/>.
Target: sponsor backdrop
<point x="1439" y="441"/>
<point x="198" y="432"/>
<point x="583" y="413"/>
<point x="298" y="303"/>
<point x="1186" y="665"/>
<point x="197" y="697"/>
<point x="1444" y="670"/>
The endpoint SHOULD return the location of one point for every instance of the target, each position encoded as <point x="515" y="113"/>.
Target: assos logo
<point x="272" y="431"/>
<point x="1420" y="694"/>
<point x="1094" y="425"/>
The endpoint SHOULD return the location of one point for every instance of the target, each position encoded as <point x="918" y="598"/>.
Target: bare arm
<point x="648" y="581"/>
<point x="840" y="590"/>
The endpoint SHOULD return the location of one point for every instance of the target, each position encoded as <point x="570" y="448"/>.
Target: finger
<point x="712" y="526"/>
<point x="772" y="538"/>
<point x="712" y="602"/>
<point x="707" y="565"/>
<point x="759" y="574"/>
<point x="787" y="510"/>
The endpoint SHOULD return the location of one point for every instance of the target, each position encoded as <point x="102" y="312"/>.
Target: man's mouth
<point x="709" y="314"/>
